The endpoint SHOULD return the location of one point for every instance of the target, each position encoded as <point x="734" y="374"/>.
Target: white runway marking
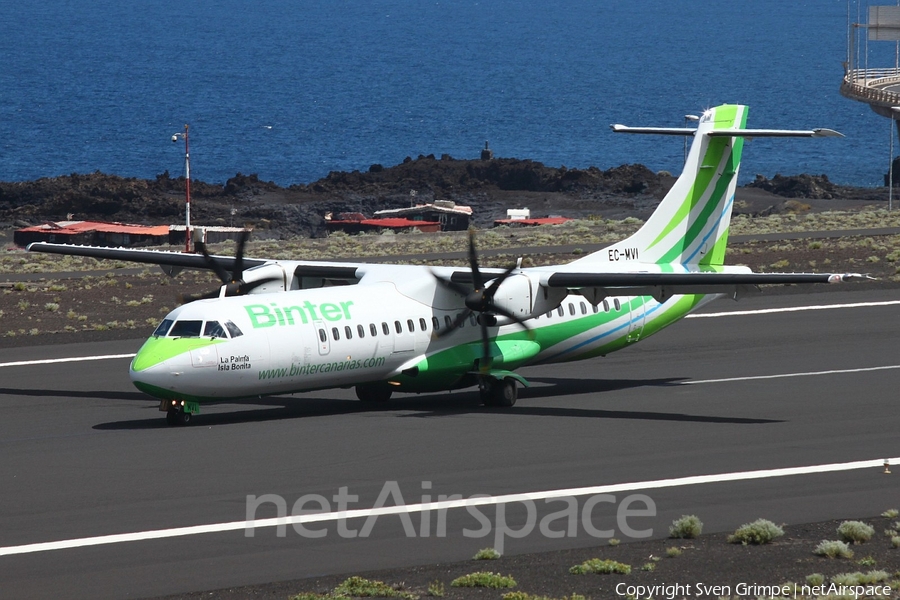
<point x="802" y="374"/>
<point x="50" y="361"/>
<point x="764" y="311"/>
<point x="442" y="505"/>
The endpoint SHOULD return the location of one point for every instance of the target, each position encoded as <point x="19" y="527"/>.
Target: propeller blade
<point x="514" y="318"/>
<point x="238" y="273"/>
<point x="484" y="365"/>
<point x="457" y="323"/>
<point x="492" y="289"/>
<point x="450" y="285"/>
<point x="473" y="262"/>
<point x="220" y="271"/>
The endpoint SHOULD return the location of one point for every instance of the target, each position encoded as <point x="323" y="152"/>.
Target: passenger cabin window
<point x="448" y="321"/>
<point x="410" y="325"/>
<point x="422" y="324"/>
<point x="186" y="329"/>
<point x="617" y="304"/>
<point x="571" y="308"/>
<point x="348" y="332"/>
<point x="335" y="333"/>
<point x="361" y="331"/>
<point x="583" y="308"/>
<point x="398" y="327"/>
<point x="435" y="323"/>
<point x="385" y="329"/>
<point x="233" y="329"/>
<point x="373" y="330"/>
<point x="323" y="337"/>
<point x="594" y="308"/>
<point x="472" y="320"/>
<point x="163" y="328"/>
<point x="560" y="311"/>
<point x="605" y="305"/>
<point x="212" y="329"/>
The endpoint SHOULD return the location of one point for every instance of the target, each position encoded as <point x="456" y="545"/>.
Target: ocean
<point x="293" y="89"/>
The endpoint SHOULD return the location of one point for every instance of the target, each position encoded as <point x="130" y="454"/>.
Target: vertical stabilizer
<point x="690" y="225"/>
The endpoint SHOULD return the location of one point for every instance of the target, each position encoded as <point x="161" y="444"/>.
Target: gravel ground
<point x="708" y="560"/>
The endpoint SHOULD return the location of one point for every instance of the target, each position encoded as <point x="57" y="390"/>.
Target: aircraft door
<point x="404" y="335"/>
<point x="636" y="325"/>
<point x="322" y="336"/>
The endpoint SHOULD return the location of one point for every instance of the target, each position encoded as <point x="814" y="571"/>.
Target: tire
<point x="504" y="393"/>
<point x="172" y="416"/>
<point x="373" y="393"/>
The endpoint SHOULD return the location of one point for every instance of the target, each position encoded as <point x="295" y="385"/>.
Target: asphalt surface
<point x="85" y="455"/>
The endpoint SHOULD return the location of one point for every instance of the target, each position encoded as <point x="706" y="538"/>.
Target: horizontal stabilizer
<point x="745" y="133"/>
<point x="760" y="133"/>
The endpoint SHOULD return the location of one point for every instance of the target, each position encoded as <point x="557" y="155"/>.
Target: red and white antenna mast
<point x="187" y="186"/>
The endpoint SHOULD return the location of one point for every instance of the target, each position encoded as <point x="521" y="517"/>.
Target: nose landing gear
<point x="179" y="412"/>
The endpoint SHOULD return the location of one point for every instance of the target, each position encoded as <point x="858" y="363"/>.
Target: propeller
<point x="479" y="299"/>
<point x="232" y="285"/>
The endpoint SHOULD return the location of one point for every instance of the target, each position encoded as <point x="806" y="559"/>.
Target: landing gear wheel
<point x="178" y="416"/>
<point x="373" y="393"/>
<point x="502" y="392"/>
<point x="505" y="392"/>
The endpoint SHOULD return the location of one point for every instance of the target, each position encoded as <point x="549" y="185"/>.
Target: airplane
<point x="285" y="326"/>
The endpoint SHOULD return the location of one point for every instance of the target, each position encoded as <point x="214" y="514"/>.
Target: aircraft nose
<point x="157" y="366"/>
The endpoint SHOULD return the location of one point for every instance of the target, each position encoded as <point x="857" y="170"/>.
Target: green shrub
<point x="686" y="527"/>
<point x="760" y="531"/>
<point x="486" y="554"/>
<point x="359" y="587"/>
<point x="856" y="532"/>
<point x="595" y="565"/>
<point x="614" y="542"/>
<point x="833" y="549"/>
<point x="484" y="579"/>
<point x="650" y="566"/>
<point x="858" y="578"/>
<point x="891" y="513"/>
<point x="673" y="552"/>
<point x="895" y="541"/>
<point x="815" y="579"/>
<point x="436" y="589"/>
<point x="867" y="561"/>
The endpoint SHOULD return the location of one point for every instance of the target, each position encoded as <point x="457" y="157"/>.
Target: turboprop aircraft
<point x="283" y="326"/>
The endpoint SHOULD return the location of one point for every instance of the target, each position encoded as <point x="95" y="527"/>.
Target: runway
<point x="85" y="455"/>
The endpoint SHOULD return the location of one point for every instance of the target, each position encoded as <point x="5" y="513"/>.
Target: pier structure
<point x="879" y="87"/>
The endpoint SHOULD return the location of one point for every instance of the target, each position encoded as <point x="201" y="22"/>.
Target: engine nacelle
<point x="525" y="297"/>
<point x="274" y="271"/>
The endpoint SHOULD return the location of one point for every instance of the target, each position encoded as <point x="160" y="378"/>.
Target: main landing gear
<point x="179" y="412"/>
<point x="374" y="392"/>
<point x="498" y="392"/>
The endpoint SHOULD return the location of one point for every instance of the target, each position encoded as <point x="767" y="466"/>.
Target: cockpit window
<point x="186" y="329"/>
<point x="233" y="329"/>
<point x="163" y="328"/>
<point x="214" y="330"/>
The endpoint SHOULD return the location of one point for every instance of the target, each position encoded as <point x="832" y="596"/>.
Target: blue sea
<point x="293" y="89"/>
